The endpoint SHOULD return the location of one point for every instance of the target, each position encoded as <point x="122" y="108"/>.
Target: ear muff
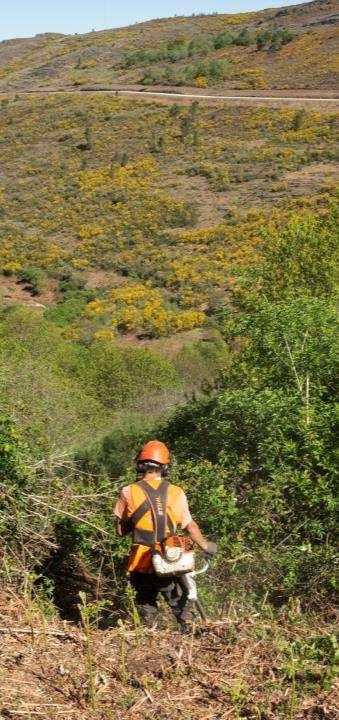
<point x="144" y="467"/>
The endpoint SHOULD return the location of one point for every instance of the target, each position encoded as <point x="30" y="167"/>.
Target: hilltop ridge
<point x="288" y="47"/>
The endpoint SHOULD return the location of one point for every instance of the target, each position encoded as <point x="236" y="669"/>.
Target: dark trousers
<point x="148" y="586"/>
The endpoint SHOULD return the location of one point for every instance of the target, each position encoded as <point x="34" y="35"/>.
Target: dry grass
<point x="236" y="668"/>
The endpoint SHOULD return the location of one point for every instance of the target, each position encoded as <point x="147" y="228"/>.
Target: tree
<point x="261" y="450"/>
<point x="244" y="38"/>
<point x="262" y="39"/>
<point x="298" y="119"/>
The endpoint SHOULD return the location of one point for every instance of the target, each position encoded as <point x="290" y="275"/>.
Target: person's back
<point x="153" y="510"/>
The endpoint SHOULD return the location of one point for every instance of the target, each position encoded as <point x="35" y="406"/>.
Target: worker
<point x="153" y="500"/>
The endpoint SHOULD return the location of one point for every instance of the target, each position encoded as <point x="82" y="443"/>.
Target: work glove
<point x="211" y="548"/>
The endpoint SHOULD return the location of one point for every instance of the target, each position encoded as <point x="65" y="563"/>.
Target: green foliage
<point x="200" y="363"/>
<point x="274" y="39"/>
<point x="214" y="70"/>
<point x="258" y="456"/>
<point x="217" y="175"/>
<point x="286" y="342"/>
<point x="33" y="278"/>
<point x="299" y="258"/>
<point x="262" y="39"/>
<point x="13" y="454"/>
<point x="222" y="40"/>
<point x="270" y="467"/>
<point x="200" y="45"/>
<point x="42" y="383"/>
<point x="121" y="378"/>
<point x="66" y="393"/>
<point x="115" y="453"/>
<point x="74" y="298"/>
<point x="16" y="478"/>
<point x="302" y="257"/>
<point x="143" y="57"/>
<point x="299" y="119"/>
<point x="243" y="38"/>
<point x="176" y="50"/>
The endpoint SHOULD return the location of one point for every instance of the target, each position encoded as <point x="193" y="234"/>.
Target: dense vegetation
<point x="255" y="453"/>
<point x="209" y="237"/>
<point x="83" y="229"/>
<point x="169" y="270"/>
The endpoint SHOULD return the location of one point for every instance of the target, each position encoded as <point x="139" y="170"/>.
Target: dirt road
<point x="166" y="96"/>
<point x="248" y="98"/>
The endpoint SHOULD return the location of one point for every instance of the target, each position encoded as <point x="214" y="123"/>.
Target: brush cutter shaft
<point x="189" y="585"/>
<point x="202" y="570"/>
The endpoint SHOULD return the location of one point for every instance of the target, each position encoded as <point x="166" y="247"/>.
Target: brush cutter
<point x="187" y="582"/>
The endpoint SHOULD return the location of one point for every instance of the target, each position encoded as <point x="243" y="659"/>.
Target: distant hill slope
<point x="287" y="48"/>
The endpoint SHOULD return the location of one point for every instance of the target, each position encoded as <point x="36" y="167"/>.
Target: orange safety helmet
<point x="155" y="451"/>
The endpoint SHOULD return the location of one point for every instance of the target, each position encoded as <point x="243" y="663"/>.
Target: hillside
<point x="154" y="208"/>
<point x="168" y="269"/>
<point x="292" y="47"/>
<point x="126" y="224"/>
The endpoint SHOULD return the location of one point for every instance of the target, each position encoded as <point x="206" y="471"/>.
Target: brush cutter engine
<point x="173" y="561"/>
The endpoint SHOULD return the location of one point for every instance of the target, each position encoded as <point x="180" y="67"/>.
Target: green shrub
<point x="274" y="39"/>
<point x="217" y="175"/>
<point x="176" y="50"/>
<point x="200" y="363"/>
<point x="73" y="300"/>
<point x="301" y="257"/>
<point x="115" y="454"/>
<point x="13" y="454"/>
<point x="34" y="279"/>
<point x="43" y="383"/>
<point x="199" y="46"/>
<point x="243" y="38"/>
<point x="212" y="69"/>
<point x="264" y="449"/>
<point x="141" y="57"/>
<point x="262" y="39"/>
<point x="298" y="119"/>
<point x="136" y="377"/>
<point x="70" y="307"/>
<point x="222" y="40"/>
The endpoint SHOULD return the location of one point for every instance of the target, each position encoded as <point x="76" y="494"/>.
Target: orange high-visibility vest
<point x="145" y="536"/>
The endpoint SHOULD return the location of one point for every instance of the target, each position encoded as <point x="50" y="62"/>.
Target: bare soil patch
<point x="13" y="292"/>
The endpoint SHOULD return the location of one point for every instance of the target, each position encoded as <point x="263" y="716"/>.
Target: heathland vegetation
<point x="292" y="47"/>
<point x="169" y="270"/>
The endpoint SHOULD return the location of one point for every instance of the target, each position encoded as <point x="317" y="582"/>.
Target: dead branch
<point x="293" y="366"/>
<point x="66" y="513"/>
<point x="33" y="631"/>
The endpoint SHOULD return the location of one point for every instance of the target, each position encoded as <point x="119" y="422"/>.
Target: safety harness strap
<point x="143" y="537"/>
<point x="171" y="526"/>
<point x="158" y="503"/>
<point x="140" y="512"/>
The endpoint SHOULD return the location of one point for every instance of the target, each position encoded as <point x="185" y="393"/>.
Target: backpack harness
<point x="156" y="503"/>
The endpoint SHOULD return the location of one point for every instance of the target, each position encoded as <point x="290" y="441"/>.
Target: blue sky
<point x="23" y="18"/>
